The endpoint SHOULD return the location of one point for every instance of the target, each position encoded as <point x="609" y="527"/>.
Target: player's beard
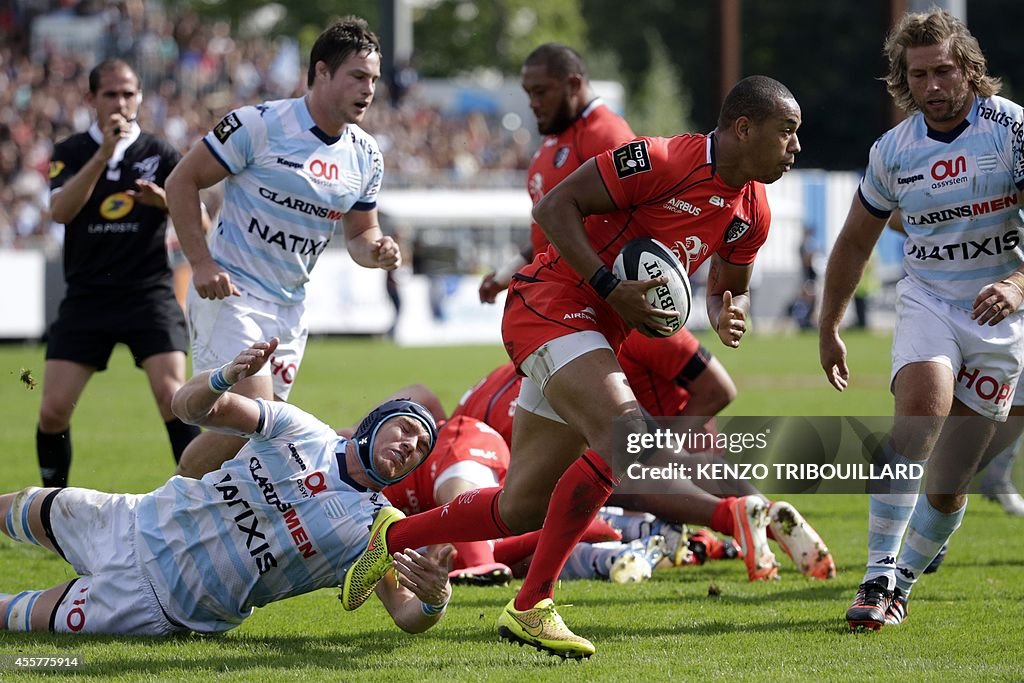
<point x="560" y="120"/>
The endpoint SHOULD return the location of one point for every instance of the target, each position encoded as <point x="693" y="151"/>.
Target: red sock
<point x="474" y="553"/>
<point x="600" y="531"/>
<point x="577" y="497"/>
<point x="514" y="549"/>
<point x="472" y="516"/>
<point x="721" y="518"/>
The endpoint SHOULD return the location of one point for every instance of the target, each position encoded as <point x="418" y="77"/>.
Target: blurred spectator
<point x="193" y="71"/>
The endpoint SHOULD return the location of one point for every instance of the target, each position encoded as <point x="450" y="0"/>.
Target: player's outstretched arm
<point x="845" y="268"/>
<point x="205" y="400"/>
<point x="416" y="590"/>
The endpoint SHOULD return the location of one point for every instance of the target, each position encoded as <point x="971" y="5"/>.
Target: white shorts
<point x="985" y="361"/>
<point x="221" y="328"/>
<point x="541" y="365"/>
<point x="96" y="533"/>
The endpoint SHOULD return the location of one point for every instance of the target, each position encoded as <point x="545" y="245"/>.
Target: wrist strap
<point x="433" y="610"/>
<point x="218" y="383"/>
<point x="604" y="281"/>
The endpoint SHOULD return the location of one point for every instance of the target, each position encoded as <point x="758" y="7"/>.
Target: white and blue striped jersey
<point x="958" y="193"/>
<point x="289" y="186"/>
<point x="275" y="521"/>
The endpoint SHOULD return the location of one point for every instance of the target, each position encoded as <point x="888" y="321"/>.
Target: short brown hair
<point x="349" y="35"/>
<point x="934" y="28"/>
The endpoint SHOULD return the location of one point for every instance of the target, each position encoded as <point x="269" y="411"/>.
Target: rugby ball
<point x="645" y="258"/>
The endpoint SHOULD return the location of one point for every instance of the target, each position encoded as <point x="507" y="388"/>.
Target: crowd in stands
<point x="194" y="71"/>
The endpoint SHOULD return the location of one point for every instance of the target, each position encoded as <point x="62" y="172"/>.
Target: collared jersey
<point x="596" y="130"/>
<point x="290" y="185"/>
<point x="277" y="520"/>
<point x="667" y="188"/>
<point x="958" y="194"/>
<point x="115" y="242"/>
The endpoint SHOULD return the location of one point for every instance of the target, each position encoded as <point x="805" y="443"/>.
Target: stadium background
<point x="457" y="138"/>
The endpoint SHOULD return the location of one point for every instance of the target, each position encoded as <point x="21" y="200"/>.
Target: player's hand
<point x="113" y="129"/>
<point x="995" y="302"/>
<point x="732" y="322"/>
<point x="250" y="361"/>
<point x="387" y="254"/>
<point x="212" y="282"/>
<point x="629" y="299"/>
<point x="426" y="575"/>
<point x="490" y="288"/>
<point x="150" y="194"/>
<point x="832" y="352"/>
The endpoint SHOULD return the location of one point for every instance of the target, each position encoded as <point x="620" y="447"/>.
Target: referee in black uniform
<point x="106" y="187"/>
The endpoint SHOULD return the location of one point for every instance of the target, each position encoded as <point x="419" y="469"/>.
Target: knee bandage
<point x="18" y="614"/>
<point x="16" y="523"/>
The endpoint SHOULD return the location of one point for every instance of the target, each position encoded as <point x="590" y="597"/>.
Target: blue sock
<point x="929" y="531"/>
<point x="888" y="516"/>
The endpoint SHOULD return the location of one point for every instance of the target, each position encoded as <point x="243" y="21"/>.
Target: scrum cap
<point x="366" y="432"/>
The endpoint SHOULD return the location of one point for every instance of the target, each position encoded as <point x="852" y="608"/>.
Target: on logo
<point x="944" y="168"/>
<point x="319" y="168"/>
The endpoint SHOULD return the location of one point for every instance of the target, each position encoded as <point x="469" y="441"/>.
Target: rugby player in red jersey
<point x="703" y="196"/>
<point x="576" y="124"/>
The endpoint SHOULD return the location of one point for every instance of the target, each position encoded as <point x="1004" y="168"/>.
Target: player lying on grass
<point x="287" y="515"/>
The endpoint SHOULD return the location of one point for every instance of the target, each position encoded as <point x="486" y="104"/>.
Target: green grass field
<point x="965" y="621"/>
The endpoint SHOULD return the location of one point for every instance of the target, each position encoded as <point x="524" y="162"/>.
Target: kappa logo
<point x="692" y="247"/>
<point x="561" y="156"/>
<point x="227" y="127"/>
<point x="631" y="158"/>
<point x="737" y="229"/>
<point x="587" y="313"/>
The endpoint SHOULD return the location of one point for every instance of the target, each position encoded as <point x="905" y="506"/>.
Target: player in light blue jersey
<point x="954" y="169"/>
<point x="288" y="515"/>
<point x="293" y="169"/>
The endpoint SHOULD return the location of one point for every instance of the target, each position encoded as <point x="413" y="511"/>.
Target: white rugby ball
<point x="645" y="258"/>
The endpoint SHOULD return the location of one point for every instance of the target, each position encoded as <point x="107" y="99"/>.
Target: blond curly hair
<point x="934" y="28"/>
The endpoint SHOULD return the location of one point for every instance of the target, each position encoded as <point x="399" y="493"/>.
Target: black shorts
<point x="89" y="325"/>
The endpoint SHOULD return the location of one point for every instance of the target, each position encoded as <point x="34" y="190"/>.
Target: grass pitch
<point x="965" y="621"/>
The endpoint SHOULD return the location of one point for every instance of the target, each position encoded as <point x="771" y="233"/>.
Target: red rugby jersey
<point x="597" y="129"/>
<point x="667" y="188"/>
<point x="493" y="400"/>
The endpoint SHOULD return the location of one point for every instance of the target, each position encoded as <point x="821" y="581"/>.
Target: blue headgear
<point x="366" y="432"/>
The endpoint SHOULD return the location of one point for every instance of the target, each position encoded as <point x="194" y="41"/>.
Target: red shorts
<point x="461" y="440"/>
<point x="537" y="311"/>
